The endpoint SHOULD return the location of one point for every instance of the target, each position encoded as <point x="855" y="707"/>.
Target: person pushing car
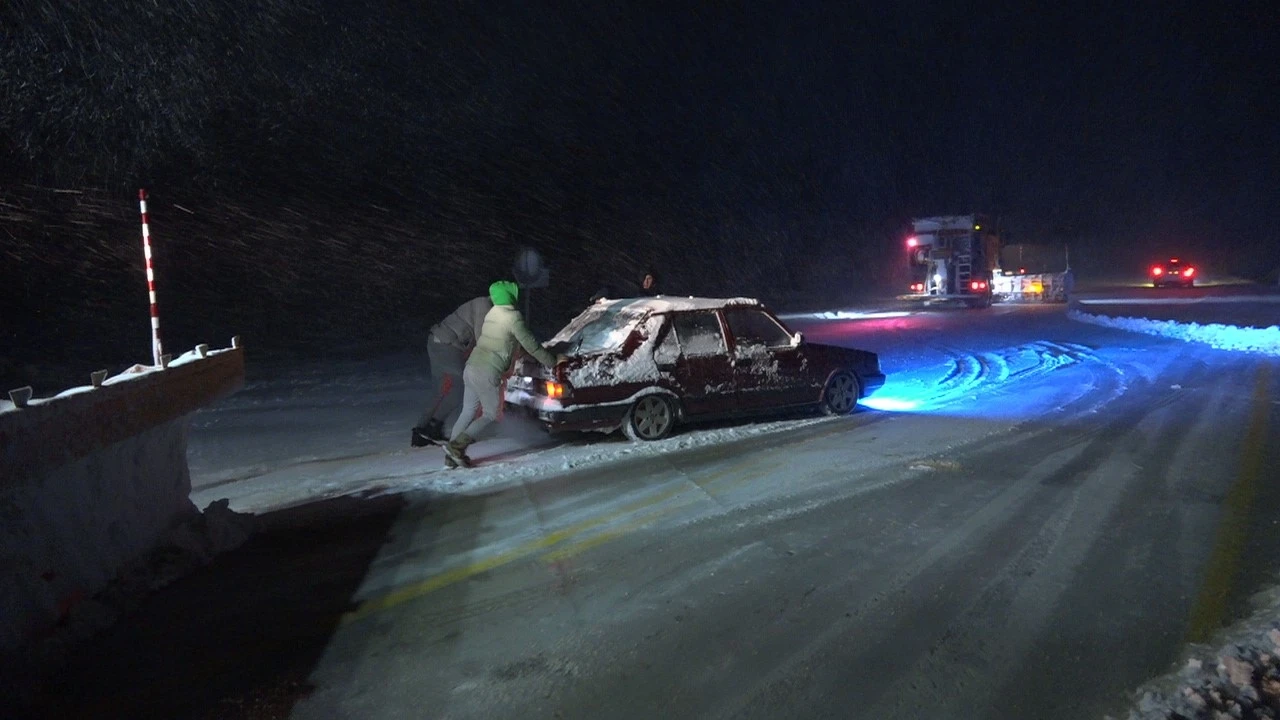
<point x="503" y="330"/>
<point x="451" y="340"/>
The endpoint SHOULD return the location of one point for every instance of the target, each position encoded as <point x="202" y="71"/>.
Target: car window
<point x="754" y="327"/>
<point x="667" y="351"/>
<point x="699" y="333"/>
<point x="603" y="327"/>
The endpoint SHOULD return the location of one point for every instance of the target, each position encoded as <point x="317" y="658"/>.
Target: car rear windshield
<point x="599" y="328"/>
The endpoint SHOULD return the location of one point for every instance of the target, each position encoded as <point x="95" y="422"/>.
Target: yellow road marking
<point x="575" y="548"/>
<point x="1210" y="609"/>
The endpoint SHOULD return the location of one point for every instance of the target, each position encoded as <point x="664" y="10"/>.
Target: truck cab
<point x="952" y="259"/>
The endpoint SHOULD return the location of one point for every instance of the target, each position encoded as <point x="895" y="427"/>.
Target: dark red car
<point x="1174" y="272"/>
<point x="646" y="365"/>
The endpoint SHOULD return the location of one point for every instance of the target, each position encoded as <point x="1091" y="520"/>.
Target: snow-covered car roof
<point x="607" y="323"/>
<point x="670" y="303"/>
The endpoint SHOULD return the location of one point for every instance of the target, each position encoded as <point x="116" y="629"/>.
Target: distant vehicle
<point x="1174" y="272"/>
<point x="646" y="365"/>
<point x="952" y="259"/>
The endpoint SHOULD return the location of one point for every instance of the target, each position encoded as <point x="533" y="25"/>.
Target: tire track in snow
<point x="971" y="374"/>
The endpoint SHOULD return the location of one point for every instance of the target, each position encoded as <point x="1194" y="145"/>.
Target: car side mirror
<point x="797" y="339"/>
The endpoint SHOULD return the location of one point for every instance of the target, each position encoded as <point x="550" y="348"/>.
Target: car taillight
<point x="555" y="390"/>
<point x="977" y="285"/>
<point x="917" y="287"/>
<point x="1157" y="270"/>
<point x="1189" y="272"/>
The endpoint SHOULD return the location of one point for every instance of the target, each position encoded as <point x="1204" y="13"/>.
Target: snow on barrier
<point x="93" y="478"/>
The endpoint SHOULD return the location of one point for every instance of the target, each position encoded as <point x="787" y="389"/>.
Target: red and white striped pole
<point x="156" y="349"/>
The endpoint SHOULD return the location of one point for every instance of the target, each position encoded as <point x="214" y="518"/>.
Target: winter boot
<point x="456" y="450"/>
<point x="434" y="430"/>
<point x="420" y="437"/>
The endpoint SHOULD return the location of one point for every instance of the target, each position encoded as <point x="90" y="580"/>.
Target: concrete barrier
<point x="92" y="478"/>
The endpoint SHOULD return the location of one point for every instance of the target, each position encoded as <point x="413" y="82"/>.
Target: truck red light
<point x="1189" y="272"/>
<point x="1157" y="270"/>
<point x="912" y="242"/>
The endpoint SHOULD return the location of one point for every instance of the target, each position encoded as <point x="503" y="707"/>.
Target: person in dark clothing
<point x="648" y="287"/>
<point x="649" y="284"/>
<point x="451" y="341"/>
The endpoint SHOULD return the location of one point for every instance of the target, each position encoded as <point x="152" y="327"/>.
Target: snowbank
<point x="94" y="479"/>
<point x="1241" y="679"/>
<point x="1222" y="337"/>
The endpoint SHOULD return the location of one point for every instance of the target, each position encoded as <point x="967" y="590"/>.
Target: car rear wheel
<point x="840" y="396"/>
<point x="652" y="417"/>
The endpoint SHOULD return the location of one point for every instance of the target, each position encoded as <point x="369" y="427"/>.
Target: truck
<point x="953" y="259"/>
<point x="961" y="259"/>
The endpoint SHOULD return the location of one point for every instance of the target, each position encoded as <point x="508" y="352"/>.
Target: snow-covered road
<point x="1027" y="525"/>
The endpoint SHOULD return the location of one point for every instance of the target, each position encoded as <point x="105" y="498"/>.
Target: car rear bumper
<point x="871" y="383"/>
<point x="556" y="417"/>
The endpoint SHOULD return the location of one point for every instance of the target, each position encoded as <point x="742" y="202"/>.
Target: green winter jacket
<point x="503" y="329"/>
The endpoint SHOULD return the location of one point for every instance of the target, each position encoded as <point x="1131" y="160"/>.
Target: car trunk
<point x="530" y="376"/>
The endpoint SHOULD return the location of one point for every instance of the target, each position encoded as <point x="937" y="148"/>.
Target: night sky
<point x="332" y="174"/>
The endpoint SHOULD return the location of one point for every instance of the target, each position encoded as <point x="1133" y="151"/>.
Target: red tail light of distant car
<point x="1157" y="270"/>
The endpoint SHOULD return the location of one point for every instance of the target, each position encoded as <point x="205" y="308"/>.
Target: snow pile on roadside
<point x="1241" y="680"/>
<point x="1222" y="337"/>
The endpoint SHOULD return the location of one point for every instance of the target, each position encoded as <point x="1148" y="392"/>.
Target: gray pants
<point x="482" y="391"/>
<point x="446" y="383"/>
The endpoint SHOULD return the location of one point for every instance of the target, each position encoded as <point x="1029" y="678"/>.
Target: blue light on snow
<point x="888" y="404"/>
